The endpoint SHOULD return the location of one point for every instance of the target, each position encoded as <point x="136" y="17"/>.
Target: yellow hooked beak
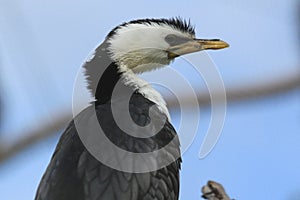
<point x="195" y="45"/>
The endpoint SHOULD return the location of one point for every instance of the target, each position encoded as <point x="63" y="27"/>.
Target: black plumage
<point x="75" y="174"/>
<point x="75" y="171"/>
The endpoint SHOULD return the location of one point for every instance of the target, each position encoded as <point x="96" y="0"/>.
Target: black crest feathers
<point x="177" y="23"/>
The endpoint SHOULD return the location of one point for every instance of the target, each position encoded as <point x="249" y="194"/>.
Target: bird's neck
<point x="105" y="76"/>
<point x="119" y="82"/>
<point x="132" y="80"/>
<point x="107" y="83"/>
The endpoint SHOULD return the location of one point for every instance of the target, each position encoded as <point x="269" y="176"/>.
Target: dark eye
<point x="175" y="40"/>
<point x="171" y="39"/>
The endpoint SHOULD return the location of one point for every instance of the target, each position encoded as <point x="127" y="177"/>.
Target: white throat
<point x="144" y="88"/>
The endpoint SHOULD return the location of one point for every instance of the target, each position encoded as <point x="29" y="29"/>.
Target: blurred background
<point x="44" y="43"/>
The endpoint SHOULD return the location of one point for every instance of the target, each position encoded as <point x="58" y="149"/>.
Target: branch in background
<point x="274" y="86"/>
<point x="298" y="22"/>
<point x="47" y="129"/>
<point x="214" y="191"/>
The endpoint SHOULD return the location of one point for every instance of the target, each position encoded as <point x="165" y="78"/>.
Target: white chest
<point x="131" y="79"/>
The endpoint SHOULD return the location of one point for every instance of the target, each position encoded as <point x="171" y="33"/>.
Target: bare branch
<point x="31" y="137"/>
<point x="274" y="86"/>
<point x="270" y="87"/>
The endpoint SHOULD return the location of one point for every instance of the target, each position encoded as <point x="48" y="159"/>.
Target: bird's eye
<point x="171" y="39"/>
<point x="175" y="40"/>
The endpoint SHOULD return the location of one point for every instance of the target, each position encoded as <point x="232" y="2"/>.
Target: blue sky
<point x="43" y="44"/>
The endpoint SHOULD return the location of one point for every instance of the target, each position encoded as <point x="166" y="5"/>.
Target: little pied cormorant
<point x="130" y="48"/>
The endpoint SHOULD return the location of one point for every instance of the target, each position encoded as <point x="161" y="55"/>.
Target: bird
<point x="131" y="48"/>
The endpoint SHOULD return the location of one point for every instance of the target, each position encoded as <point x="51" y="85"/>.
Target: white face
<point x="138" y="45"/>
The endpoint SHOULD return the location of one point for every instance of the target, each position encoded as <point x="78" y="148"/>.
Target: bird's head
<point x="143" y="45"/>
